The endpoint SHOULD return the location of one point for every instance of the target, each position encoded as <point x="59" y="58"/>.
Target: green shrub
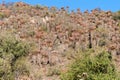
<point x="116" y="15"/>
<point x="91" y="67"/>
<point x="2" y="15"/>
<point x="20" y="66"/>
<point x="54" y="71"/>
<point x="5" y="67"/>
<point x="11" y="50"/>
<point x="102" y="43"/>
<point x="11" y="46"/>
<point x="38" y="6"/>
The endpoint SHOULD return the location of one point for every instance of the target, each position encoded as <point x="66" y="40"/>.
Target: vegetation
<point x="11" y="52"/>
<point x="2" y="15"/>
<point x="117" y="15"/>
<point x="92" y="67"/>
<point x="38" y="42"/>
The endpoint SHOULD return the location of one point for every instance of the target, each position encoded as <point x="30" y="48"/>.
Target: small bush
<point x="2" y="15"/>
<point x="11" y="50"/>
<point x="102" y="43"/>
<point x="87" y="67"/>
<point x="116" y="15"/>
<point x="5" y="68"/>
<point x="53" y="71"/>
<point x="20" y="67"/>
<point x="38" y="6"/>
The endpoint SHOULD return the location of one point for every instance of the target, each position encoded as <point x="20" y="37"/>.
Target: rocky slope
<point x="58" y="35"/>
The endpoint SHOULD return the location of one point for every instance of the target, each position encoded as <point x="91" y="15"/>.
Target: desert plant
<point x="102" y="42"/>
<point x="97" y="67"/>
<point x="37" y="6"/>
<point x="5" y="70"/>
<point x="21" y="67"/>
<point x="2" y="15"/>
<point x="11" y="50"/>
<point x="53" y="71"/>
<point x="116" y="15"/>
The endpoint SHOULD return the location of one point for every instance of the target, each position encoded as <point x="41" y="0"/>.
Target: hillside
<point x="55" y="37"/>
